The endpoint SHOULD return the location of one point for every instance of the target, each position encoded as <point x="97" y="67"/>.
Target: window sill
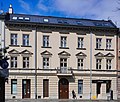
<point x="109" y="49"/>
<point x="64" y="47"/>
<point x="99" y="49"/>
<point x="45" y="47"/>
<point x="14" y="45"/>
<point x="25" y="46"/>
<point x="81" y="48"/>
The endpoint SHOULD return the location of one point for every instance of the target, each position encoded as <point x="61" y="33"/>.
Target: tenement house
<point x="51" y="56"/>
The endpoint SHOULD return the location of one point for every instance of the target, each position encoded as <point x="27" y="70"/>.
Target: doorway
<point x="26" y="88"/>
<point x="98" y="88"/>
<point x="63" y="88"/>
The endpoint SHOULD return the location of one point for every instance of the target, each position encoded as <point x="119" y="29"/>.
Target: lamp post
<point x="90" y="65"/>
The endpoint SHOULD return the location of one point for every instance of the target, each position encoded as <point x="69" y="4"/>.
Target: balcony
<point x="64" y="71"/>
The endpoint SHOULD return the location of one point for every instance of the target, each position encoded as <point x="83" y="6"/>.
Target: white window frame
<point x="26" y="62"/>
<point x="98" y="43"/>
<point x="80" y="63"/>
<point x="63" y="41"/>
<point x="13" y="39"/>
<point x="46" y="61"/>
<point x="98" y="63"/>
<point x="80" y="42"/>
<point x="108" y="64"/>
<point x="80" y="86"/>
<point x="45" y="41"/>
<point x="108" y="43"/>
<point x="14" y="86"/>
<point x="13" y="61"/>
<point x="25" y="39"/>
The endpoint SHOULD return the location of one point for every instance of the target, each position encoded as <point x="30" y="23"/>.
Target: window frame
<point x="13" y="61"/>
<point x="13" y="91"/>
<point x="108" y="64"/>
<point x="63" y="41"/>
<point x="46" y="62"/>
<point x="108" y="43"/>
<point x="26" y="39"/>
<point x="26" y="61"/>
<point x="80" y="42"/>
<point x="14" y="37"/>
<point x="46" y="41"/>
<point x="98" y="43"/>
<point x="80" y="63"/>
<point x="98" y="64"/>
<point x="80" y="86"/>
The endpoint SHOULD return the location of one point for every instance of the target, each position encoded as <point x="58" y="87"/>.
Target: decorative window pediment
<point x="110" y="55"/>
<point x="64" y="54"/>
<point x="26" y="53"/>
<point x="81" y="54"/>
<point x="99" y="54"/>
<point x="13" y="52"/>
<point x="46" y="54"/>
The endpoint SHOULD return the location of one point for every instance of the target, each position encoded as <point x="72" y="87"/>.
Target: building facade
<point x="51" y="56"/>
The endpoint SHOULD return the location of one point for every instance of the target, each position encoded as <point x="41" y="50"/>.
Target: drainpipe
<point x="90" y="65"/>
<point x="35" y="52"/>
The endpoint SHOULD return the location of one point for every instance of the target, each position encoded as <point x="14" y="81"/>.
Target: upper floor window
<point x="63" y="41"/>
<point x="98" y="63"/>
<point x="108" y="43"/>
<point x="80" y="86"/>
<point x="13" y="86"/>
<point x="98" y="43"/>
<point x="108" y="63"/>
<point x="63" y="62"/>
<point x="25" y="62"/>
<point x="80" y="63"/>
<point x="80" y="42"/>
<point x="45" y="63"/>
<point x="45" y="41"/>
<point x="25" y="39"/>
<point x="13" y="62"/>
<point x="13" y="39"/>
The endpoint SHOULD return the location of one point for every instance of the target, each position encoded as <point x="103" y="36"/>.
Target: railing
<point x="64" y="70"/>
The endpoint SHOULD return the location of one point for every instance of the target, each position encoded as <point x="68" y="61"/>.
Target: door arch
<point x="63" y="88"/>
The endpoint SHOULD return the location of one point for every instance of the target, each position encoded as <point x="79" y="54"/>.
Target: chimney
<point x="10" y="9"/>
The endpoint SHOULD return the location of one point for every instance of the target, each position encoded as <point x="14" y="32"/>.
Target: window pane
<point x="80" y="86"/>
<point x="13" y="86"/>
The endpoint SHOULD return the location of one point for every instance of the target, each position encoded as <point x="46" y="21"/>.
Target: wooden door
<point x="26" y="88"/>
<point x="45" y="88"/>
<point x="63" y="89"/>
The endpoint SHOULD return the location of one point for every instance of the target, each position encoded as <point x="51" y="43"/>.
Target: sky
<point x="87" y="9"/>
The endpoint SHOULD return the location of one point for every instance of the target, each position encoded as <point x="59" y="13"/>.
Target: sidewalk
<point x="56" y="100"/>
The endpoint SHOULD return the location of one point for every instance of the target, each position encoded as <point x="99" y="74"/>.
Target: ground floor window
<point x="80" y="86"/>
<point x="13" y="86"/>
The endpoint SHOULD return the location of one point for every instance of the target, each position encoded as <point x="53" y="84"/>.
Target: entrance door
<point x="63" y="89"/>
<point x="98" y="88"/>
<point x="2" y="89"/>
<point x="26" y="88"/>
<point x="45" y="88"/>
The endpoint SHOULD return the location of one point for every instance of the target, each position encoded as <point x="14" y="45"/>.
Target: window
<point x="25" y="40"/>
<point x="108" y="86"/>
<point x="45" y="63"/>
<point x="63" y="62"/>
<point x="80" y="86"/>
<point x="98" y="63"/>
<point x="25" y="62"/>
<point x="108" y="43"/>
<point x="80" y="42"/>
<point x="46" y="20"/>
<point x="13" y="62"/>
<point x="98" y="43"/>
<point x="63" y="41"/>
<point x="80" y="63"/>
<point x="108" y="63"/>
<point x="13" y="86"/>
<point x="45" y="41"/>
<point x="13" y="39"/>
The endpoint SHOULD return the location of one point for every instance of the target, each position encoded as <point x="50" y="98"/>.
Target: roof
<point x="24" y="18"/>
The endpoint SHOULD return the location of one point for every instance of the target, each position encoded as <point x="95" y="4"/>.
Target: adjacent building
<point x="51" y="56"/>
